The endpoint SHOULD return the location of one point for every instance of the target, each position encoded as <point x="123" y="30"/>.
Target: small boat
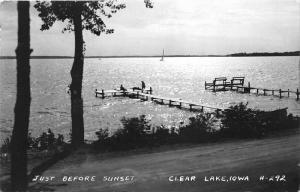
<point x="163" y="55"/>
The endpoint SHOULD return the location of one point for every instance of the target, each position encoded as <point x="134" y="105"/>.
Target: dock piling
<point x="288" y="92"/>
<point x="280" y="93"/>
<point x="102" y="94"/>
<point x="297" y="94"/>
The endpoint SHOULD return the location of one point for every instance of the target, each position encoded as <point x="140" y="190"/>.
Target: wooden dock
<point x="117" y="92"/>
<point x="237" y="84"/>
<point x="221" y="83"/>
<point x="147" y="95"/>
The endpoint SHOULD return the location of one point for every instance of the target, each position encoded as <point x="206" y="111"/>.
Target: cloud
<point x="181" y="27"/>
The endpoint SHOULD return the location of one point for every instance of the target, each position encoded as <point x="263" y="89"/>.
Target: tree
<point x="79" y="16"/>
<point x="22" y="106"/>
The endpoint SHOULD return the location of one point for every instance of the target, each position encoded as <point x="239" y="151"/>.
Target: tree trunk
<point x="76" y="85"/>
<point x="22" y="106"/>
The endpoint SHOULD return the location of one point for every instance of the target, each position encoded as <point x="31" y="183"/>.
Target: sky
<point x="186" y="27"/>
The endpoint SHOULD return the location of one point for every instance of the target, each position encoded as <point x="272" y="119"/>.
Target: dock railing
<point x="237" y="84"/>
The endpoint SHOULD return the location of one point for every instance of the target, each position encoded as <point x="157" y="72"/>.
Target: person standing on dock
<point x="143" y="85"/>
<point x="122" y="88"/>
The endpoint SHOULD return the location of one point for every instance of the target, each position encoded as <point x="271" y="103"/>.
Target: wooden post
<point x="288" y="92"/>
<point x="231" y="84"/>
<point x="96" y="92"/>
<point x="102" y="92"/>
<point x="190" y="107"/>
<point x="297" y="94"/>
<point x="170" y="102"/>
<point x="150" y="90"/>
<point x="205" y="85"/>
<point x="264" y="92"/>
<point x="257" y="91"/>
<point x="272" y="92"/>
<point x="247" y="89"/>
<point x="214" y="84"/>
<point x="180" y="105"/>
<point x="280" y="93"/>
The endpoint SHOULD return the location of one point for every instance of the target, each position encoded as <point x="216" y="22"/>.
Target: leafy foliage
<point x="134" y="127"/>
<point x="5" y="148"/>
<point x="237" y="122"/>
<point x="242" y="122"/>
<point x="91" y="13"/>
<point x="133" y="132"/>
<point x="198" y="128"/>
<point x="102" y="134"/>
<point x="46" y="141"/>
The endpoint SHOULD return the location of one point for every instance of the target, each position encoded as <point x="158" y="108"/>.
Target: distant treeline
<point x="111" y="56"/>
<point x="294" y="53"/>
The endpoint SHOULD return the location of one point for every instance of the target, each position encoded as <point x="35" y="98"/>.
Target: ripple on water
<point x="175" y="77"/>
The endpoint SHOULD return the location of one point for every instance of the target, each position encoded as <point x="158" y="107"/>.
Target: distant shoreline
<point x="294" y="53"/>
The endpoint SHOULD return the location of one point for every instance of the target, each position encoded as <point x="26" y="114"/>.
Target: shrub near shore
<point x="46" y="141"/>
<point x="241" y="122"/>
<point x="238" y="121"/>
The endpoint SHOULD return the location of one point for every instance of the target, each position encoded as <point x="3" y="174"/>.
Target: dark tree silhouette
<point x="22" y="106"/>
<point x="79" y="16"/>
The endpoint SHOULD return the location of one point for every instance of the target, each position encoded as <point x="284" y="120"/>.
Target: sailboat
<point x="163" y="55"/>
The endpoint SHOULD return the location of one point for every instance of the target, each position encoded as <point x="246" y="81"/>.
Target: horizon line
<point x="287" y="53"/>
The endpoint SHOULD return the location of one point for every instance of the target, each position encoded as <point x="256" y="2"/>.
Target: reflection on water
<point x="174" y="77"/>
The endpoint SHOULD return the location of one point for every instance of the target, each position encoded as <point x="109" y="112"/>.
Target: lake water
<point x="175" y="77"/>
